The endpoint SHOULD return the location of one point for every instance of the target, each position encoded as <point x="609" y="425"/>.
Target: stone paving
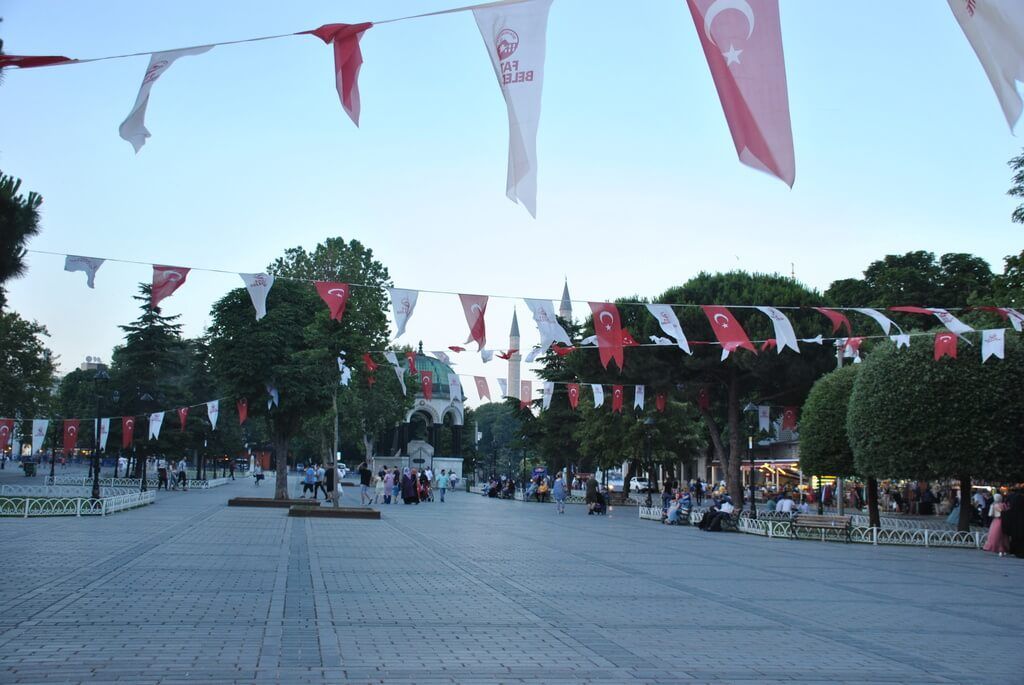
<point x="190" y="591"/>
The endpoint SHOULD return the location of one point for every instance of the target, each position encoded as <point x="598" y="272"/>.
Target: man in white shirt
<point x="182" y="476"/>
<point x="785" y="505"/>
<point x="726" y="507"/>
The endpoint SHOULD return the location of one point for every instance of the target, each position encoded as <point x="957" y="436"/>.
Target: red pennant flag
<point x="704" y="399"/>
<point x="608" y="328"/>
<point x="660" y="400"/>
<point x="243" y="410"/>
<point x="525" y="394"/>
<point x="335" y="295"/>
<point x="427" y="383"/>
<point x="182" y="415"/>
<point x="6" y="427"/>
<point x="852" y="347"/>
<point x="371" y="365"/>
<point x="789" y="418"/>
<point x="166" y="279"/>
<point x="617" y="398"/>
<point x="481" y="387"/>
<point x="475" y="306"/>
<point x="127" y="431"/>
<point x="838" y="319"/>
<point x="945" y="346"/>
<point x="29" y="61"/>
<point x="561" y="350"/>
<point x="411" y="357"/>
<point x="348" y="58"/>
<point x="574" y="394"/>
<point x="628" y="340"/>
<point x="727" y="329"/>
<point x="456" y="348"/>
<point x="744" y="52"/>
<point x="769" y="344"/>
<point x="70" y="435"/>
<point x="507" y="355"/>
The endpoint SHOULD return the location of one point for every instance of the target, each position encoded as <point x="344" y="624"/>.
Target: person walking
<point x="997" y="541"/>
<point x="378" y="489"/>
<point x="257" y="473"/>
<point x="592" y="496"/>
<point x="182" y="475"/>
<point x="409" y="495"/>
<point x="442" y="484"/>
<point x="389" y="486"/>
<point x="161" y="473"/>
<point x="396" y="485"/>
<point x="309" y="482"/>
<point x="559" y="492"/>
<point x="318" y="483"/>
<point x="365" y="480"/>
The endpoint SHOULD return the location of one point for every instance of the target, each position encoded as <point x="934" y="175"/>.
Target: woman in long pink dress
<point x="997" y="541"/>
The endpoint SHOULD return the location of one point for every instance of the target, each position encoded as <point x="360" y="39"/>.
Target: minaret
<point x="565" y="308"/>
<point x="513" y="361"/>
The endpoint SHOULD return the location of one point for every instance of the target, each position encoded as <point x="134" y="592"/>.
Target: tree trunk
<point x="966" y="509"/>
<point x="733" y="479"/>
<point x="630" y="472"/>
<point x="874" y="519"/>
<point x="281" y="453"/>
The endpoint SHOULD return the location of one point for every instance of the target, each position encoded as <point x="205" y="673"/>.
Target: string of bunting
<point x="749" y="75"/>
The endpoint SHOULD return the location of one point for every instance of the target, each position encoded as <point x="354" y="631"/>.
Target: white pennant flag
<point x="133" y="129"/>
<point x="454" y="388"/>
<point x="403" y="302"/>
<point x="550" y="330"/>
<point x="993" y="342"/>
<point x="39" y="427"/>
<point x="598" y="394"/>
<point x="273" y="396"/>
<point x="549" y="390"/>
<point x="1015" y="317"/>
<point x="952" y="323"/>
<point x="884" y="321"/>
<point x="503" y="387"/>
<point x="590" y="340"/>
<point x="213" y="411"/>
<point x="657" y="340"/>
<point x="995" y="29"/>
<point x="514" y="35"/>
<point x="487" y="355"/>
<point x="784" y="334"/>
<point x="90" y="265"/>
<point x="104" y="432"/>
<point x="156" y="420"/>
<point x="258" y="286"/>
<point x="764" y="418"/>
<point x="399" y="371"/>
<point x="442" y="356"/>
<point x="901" y="340"/>
<point x="816" y="340"/>
<point x="346" y="373"/>
<point x="638" y="398"/>
<point x="669" y="323"/>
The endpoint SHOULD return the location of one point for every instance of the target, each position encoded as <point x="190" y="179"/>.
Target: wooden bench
<point x="840" y="524"/>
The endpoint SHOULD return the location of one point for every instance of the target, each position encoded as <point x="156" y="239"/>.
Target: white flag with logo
<point x="213" y="411"/>
<point x="399" y="371"/>
<point x="156" y="420"/>
<point x="258" y="286"/>
<point x="992" y="343"/>
<point x="549" y="390"/>
<point x="443" y="356"/>
<point x="515" y="38"/>
<point x="133" y="129"/>
<point x="901" y="340"/>
<point x="995" y="29"/>
<point x="454" y="388"/>
<point x="764" y="418"/>
<point x="598" y="394"/>
<point x="39" y="427"/>
<point x="952" y="323"/>
<point x="503" y="386"/>
<point x="550" y="330"/>
<point x="784" y="334"/>
<point x="669" y="323"/>
<point x="638" y="398"/>
<point x="884" y="321"/>
<point x="104" y="432"/>
<point x="90" y="265"/>
<point x="403" y="302"/>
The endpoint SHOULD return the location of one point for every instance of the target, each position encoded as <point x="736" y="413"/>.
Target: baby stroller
<point x="600" y="504"/>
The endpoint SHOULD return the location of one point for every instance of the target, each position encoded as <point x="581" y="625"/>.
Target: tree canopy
<point x="19" y="221"/>
<point x="824" y="443"/>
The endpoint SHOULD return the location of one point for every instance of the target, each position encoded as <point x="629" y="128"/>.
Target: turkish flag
<point x="481" y="387"/>
<point x="70" y="435"/>
<point x="660" y="400"/>
<point x="949" y="321"/>
<point x="371" y="365"/>
<point x="838" y="319"/>
<point x="6" y="427"/>
<point x="335" y="295"/>
<point x="1015" y="318"/>
<point x="617" y="398"/>
<point x="182" y="415"/>
<point x="507" y="355"/>
<point x="348" y="58"/>
<point x="166" y="279"/>
<point x="427" y="384"/>
<point x="743" y="48"/>
<point x="475" y="306"/>
<point x="29" y="61"/>
<point x="561" y="351"/>
<point x="574" y="394"/>
<point x="525" y="394"/>
<point x="608" y="329"/>
<point x="704" y="399"/>
<point x="127" y="431"/>
<point x="456" y="348"/>
<point x="243" y="410"/>
<point x="945" y="345"/>
<point x="411" y="357"/>
<point x="789" y="418"/>
<point x="769" y="344"/>
<point x="727" y="329"/>
<point x="628" y="340"/>
<point x="852" y="347"/>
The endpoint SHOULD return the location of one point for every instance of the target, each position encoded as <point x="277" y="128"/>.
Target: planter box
<point x="335" y="512"/>
<point x="270" y="502"/>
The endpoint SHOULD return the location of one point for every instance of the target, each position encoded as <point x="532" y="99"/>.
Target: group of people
<point x="410" y="485"/>
<point x="169" y="473"/>
<point x="1006" y="522"/>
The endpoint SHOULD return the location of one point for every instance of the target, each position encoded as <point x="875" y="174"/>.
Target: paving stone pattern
<point x="475" y="590"/>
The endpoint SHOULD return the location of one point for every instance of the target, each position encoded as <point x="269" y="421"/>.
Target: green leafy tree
<point x="19" y="221"/>
<point x="1008" y="287"/>
<point x="1017" y="189"/>
<point x="500" y="428"/>
<point x="913" y="417"/>
<point x="26" y="368"/>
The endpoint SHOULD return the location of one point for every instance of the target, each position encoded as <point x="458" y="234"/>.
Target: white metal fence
<point x="25" y="506"/>
<point x="135" y="483"/>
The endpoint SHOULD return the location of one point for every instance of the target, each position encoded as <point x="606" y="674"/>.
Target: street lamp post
<point x="101" y="375"/>
<point x="751" y="411"/>
<point x="648" y="435"/>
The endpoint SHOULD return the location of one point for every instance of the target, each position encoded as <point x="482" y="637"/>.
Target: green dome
<point x="440" y="370"/>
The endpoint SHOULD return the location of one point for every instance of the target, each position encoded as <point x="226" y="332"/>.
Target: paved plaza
<point x="475" y="590"/>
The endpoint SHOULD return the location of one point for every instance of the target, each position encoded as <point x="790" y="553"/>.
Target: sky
<point x="900" y="145"/>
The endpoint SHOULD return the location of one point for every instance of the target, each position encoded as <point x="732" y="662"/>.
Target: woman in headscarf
<point x="997" y="541"/>
<point x="409" y="495"/>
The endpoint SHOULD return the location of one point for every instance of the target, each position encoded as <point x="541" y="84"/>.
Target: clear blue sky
<point x="900" y="145"/>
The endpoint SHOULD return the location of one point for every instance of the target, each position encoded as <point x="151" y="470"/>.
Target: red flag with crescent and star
<point x="617" y="398"/>
<point x="335" y="296"/>
<point x="29" y="61"/>
<point x="574" y="394"/>
<point x="742" y="41"/>
<point x="243" y="410"/>
<point x="945" y="346"/>
<point x="561" y="350"/>
<point x="608" y="329"/>
<point x="481" y="387"/>
<point x="166" y="279"/>
<point x="127" y="431"/>
<point x="475" y="306"/>
<point x="427" y="384"/>
<point x="411" y="358"/>
<point x="182" y="416"/>
<point x="727" y="329"/>
<point x="838" y="319"/>
<point x="368" y="362"/>
<point x="789" y="418"/>
<point x="6" y="427"/>
<point x="348" y="59"/>
<point x="70" y="435"/>
<point x="660" y="401"/>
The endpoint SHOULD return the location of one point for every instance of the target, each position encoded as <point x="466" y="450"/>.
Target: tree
<point x="26" y="367"/>
<point x="913" y="417"/>
<point x="1017" y="189"/>
<point x="1008" y="287"/>
<point x="19" y="221"/>
<point x="499" y="427"/>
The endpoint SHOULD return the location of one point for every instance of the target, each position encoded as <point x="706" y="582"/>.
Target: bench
<point x="815" y="522"/>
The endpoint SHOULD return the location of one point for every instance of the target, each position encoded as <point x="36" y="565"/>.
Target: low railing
<point x="58" y="491"/>
<point x="135" y="482"/>
<point x="26" y="506"/>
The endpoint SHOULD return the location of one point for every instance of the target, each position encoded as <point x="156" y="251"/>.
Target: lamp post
<point x="648" y="436"/>
<point x="145" y="397"/>
<point x="751" y="411"/>
<point x="101" y="376"/>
